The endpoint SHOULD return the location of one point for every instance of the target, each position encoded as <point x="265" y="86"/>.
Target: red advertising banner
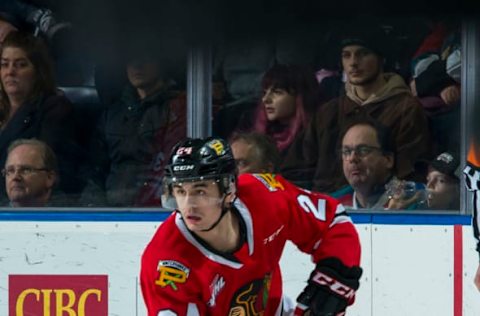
<point x="58" y="295"/>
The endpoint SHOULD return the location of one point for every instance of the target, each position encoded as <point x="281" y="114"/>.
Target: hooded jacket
<point x="135" y="136"/>
<point x="312" y="160"/>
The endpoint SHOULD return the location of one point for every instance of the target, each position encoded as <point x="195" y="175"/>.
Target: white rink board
<point x="77" y="248"/>
<point x="406" y="268"/>
<point x="296" y="267"/>
<point x="420" y="258"/>
<point x="471" y="296"/>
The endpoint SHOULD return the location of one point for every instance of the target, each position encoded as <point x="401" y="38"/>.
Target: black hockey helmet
<point x="197" y="160"/>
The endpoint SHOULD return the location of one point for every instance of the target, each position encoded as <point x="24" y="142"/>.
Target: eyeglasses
<point x="360" y="151"/>
<point x="24" y="171"/>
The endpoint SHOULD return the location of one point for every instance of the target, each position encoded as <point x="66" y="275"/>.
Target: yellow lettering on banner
<point x="21" y="300"/>
<point x="271" y="181"/>
<point x="60" y="307"/>
<point x="170" y="276"/>
<point x="83" y="299"/>
<point x="46" y="301"/>
<point x="217" y="146"/>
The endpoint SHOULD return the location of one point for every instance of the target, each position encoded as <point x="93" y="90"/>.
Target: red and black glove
<point x="331" y="288"/>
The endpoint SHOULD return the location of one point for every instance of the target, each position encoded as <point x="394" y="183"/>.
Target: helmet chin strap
<point x="225" y="209"/>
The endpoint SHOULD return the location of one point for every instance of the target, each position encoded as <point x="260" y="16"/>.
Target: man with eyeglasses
<point x="30" y="173"/>
<point x="368" y="162"/>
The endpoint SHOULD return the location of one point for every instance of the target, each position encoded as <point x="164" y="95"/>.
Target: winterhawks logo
<point x="216" y="286"/>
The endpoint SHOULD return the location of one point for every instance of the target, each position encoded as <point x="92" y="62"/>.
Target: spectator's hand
<point x="5" y="28"/>
<point x="450" y="95"/>
<point x="400" y="202"/>
<point x="413" y="87"/>
<point x="219" y="93"/>
<point x="476" y="280"/>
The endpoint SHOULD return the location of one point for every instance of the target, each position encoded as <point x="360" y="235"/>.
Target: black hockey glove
<point x="331" y="287"/>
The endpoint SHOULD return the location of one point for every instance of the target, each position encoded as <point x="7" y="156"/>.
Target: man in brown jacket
<point x="313" y="161"/>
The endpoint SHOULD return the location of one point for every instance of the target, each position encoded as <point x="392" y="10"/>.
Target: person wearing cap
<point x="443" y="182"/>
<point x="370" y="92"/>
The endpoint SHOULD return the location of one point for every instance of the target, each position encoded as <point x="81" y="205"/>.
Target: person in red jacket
<point x="219" y="252"/>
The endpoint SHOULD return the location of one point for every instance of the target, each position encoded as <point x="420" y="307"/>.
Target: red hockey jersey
<point x="181" y="276"/>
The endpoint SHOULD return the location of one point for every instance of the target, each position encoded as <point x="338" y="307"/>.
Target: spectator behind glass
<point x="443" y="182"/>
<point x="30" y="173"/>
<point x="26" y="15"/>
<point x="30" y="106"/>
<point x="431" y="67"/>
<point x="5" y="28"/>
<point x="136" y="134"/>
<point x="290" y="96"/>
<point x="310" y="161"/>
<point x="368" y="165"/>
<point x="255" y="153"/>
<point x="436" y="83"/>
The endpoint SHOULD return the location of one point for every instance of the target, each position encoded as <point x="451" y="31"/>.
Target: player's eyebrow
<point x="200" y="185"/>
<point x="196" y="185"/>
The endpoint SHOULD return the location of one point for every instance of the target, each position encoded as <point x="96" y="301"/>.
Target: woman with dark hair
<point x="290" y="96"/>
<point x="30" y="106"/>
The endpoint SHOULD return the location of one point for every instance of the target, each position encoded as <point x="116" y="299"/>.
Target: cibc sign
<point x="58" y="295"/>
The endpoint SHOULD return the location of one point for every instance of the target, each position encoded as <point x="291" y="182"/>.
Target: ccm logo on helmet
<point x="183" y="168"/>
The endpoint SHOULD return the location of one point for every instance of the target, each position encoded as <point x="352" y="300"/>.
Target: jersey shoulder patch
<point x="171" y="273"/>
<point x="269" y="181"/>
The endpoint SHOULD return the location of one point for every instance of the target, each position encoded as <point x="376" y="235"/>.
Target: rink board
<point x="413" y="264"/>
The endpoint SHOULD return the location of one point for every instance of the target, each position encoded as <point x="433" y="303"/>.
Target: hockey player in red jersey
<point x="219" y="253"/>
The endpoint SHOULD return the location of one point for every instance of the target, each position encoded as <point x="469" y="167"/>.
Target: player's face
<point x="199" y="203"/>
<point x="361" y="65"/>
<point x="368" y="167"/>
<point x="443" y="192"/>
<point x="279" y="104"/>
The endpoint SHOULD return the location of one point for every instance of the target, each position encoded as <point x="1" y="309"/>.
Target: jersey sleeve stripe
<point x="340" y="209"/>
<point x="340" y="219"/>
